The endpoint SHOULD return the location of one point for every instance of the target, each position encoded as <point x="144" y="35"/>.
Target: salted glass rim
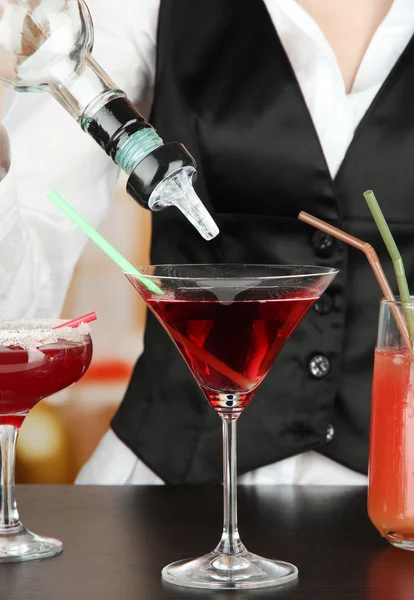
<point x="314" y="271"/>
<point x="36" y="323"/>
<point x="24" y="333"/>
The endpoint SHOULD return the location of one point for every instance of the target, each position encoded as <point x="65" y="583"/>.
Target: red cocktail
<point x="28" y="376"/>
<point x="230" y="322"/>
<point x="36" y="361"/>
<point x="391" y="461"/>
<point x="232" y="345"/>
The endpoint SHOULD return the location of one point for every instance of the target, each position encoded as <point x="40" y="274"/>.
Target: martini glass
<point x="36" y="361"/>
<point x="230" y="322"/>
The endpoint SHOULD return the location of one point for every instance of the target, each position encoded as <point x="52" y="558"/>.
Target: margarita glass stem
<point x="9" y="516"/>
<point x="230" y="542"/>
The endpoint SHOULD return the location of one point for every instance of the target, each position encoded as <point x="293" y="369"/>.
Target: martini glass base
<point x="225" y="572"/>
<point x="24" y="545"/>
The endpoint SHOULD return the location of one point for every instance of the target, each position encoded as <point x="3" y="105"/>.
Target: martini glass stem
<point x="230" y="542"/>
<point x="9" y="517"/>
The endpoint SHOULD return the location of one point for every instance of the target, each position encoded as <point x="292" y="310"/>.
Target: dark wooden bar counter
<point x="117" y="539"/>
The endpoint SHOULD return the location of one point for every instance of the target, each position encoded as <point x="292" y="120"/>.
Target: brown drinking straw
<point x="373" y="260"/>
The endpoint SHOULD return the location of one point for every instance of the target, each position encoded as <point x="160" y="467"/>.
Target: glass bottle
<point x="45" y="45"/>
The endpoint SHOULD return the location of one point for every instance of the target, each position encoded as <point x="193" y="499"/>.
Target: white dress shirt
<point x="39" y="247"/>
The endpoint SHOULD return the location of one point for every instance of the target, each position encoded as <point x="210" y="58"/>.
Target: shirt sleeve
<point x="39" y="246"/>
<point x="129" y="29"/>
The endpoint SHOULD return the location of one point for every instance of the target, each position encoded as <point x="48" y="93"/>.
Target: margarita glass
<point x="36" y="361"/>
<point x="230" y="322"/>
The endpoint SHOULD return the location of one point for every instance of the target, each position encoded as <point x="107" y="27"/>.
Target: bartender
<point x="286" y="105"/>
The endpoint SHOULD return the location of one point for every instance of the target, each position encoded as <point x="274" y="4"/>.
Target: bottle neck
<point x="105" y="113"/>
<point x="83" y="92"/>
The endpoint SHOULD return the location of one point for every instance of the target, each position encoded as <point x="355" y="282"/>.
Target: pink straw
<point x="76" y="322"/>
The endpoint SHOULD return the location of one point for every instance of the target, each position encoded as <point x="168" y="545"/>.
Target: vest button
<point x="323" y="243"/>
<point x="324" y="305"/>
<point x="330" y="432"/>
<point x="319" y="366"/>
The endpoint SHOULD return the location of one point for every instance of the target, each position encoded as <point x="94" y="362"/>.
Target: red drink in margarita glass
<point x="29" y="375"/>
<point x="36" y="361"/>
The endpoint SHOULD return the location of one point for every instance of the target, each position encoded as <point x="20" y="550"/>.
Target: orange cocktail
<point x="391" y="465"/>
<point x="391" y="473"/>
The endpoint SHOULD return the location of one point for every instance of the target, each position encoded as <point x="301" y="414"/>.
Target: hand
<point x="4" y="153"/>
<point x="8" y="63"/>
<point x="4" y="145"/>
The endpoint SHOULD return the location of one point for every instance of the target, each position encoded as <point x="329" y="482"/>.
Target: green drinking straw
<point x="126" y="266"/>
<point x="397" y="261"/>
<point x="116" y="256"/>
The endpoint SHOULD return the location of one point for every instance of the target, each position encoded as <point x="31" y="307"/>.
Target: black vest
<point x="226" y="89"/>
